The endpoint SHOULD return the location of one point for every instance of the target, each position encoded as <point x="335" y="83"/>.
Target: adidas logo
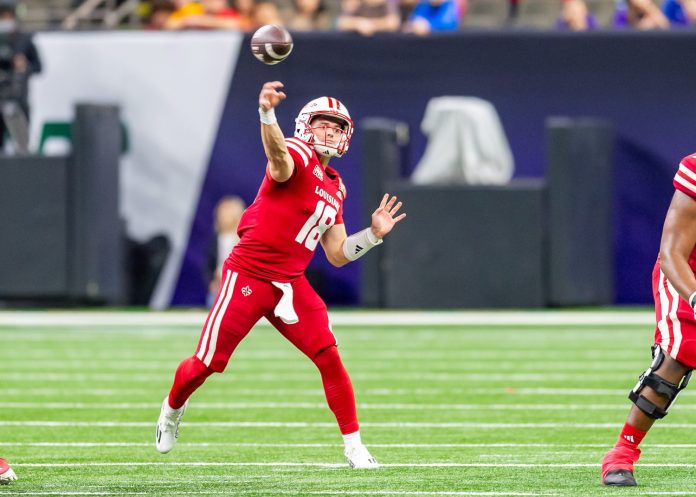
<point x="630" y="438"/>
<point x="358" y="249"/>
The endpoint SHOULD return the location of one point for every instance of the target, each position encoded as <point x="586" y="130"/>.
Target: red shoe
<point x="617" y="466"/>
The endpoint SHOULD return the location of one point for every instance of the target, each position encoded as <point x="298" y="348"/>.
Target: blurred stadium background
<point x="487" y="385"/>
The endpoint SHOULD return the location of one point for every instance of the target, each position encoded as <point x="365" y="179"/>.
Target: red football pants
<point x="240" y="303"/>
<point x="676" y="327"/>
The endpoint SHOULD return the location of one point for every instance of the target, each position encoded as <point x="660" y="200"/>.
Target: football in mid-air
<point x="271" y="44"/>
<point x="6" y="473"/>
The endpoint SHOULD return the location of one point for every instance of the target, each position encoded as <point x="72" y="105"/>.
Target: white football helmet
<point x="330" y="107"/>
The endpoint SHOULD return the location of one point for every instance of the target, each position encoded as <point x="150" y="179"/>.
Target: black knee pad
<point x="659" y="384"/>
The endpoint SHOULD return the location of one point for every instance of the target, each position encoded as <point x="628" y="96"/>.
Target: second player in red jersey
<point x="674" y="349"/>
<point x="298" y="207"/>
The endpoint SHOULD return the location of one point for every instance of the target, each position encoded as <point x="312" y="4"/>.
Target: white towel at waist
<point x="284" y="309"/>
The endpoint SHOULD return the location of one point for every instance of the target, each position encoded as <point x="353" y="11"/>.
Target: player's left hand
<point x="383" y="219"/>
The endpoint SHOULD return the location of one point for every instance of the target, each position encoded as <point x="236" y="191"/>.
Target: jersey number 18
<point x="323" y="218"/>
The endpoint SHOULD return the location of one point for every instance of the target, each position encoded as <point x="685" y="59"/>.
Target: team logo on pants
<point x="246" y="291"/>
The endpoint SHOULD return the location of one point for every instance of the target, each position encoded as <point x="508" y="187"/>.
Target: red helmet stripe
<point x="338" y="104"/>
<point x="330" y="102"/>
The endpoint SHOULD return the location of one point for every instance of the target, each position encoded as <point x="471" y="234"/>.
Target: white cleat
<point x="6" y="473"/>
<point x="168" y="426"/>
<point x="360" y="458"/>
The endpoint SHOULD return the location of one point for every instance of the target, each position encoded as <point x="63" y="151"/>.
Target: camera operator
<point x="19" y="59"/>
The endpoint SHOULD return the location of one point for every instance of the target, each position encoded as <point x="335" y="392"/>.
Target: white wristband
<point x="357" y="244"/>
<point x="691" y="300"/>
<point x="267" y="116"/>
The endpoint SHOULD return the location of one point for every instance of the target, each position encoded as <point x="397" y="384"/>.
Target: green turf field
<point x="461" y="409"/>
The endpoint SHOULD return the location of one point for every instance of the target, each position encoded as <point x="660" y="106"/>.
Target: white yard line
<point x="322" y="406"/>
<point x="63" y="492"/>
<point x="280" y="424"/>
<point x="335" y="492"/>
<point x="374" y="318"/>
<point x="318" y="392"/>
<point x="327" y="445"/>
<point x="406" y="492"/>
<point x="304" y="492"/>
<point x="308" y="376"/>
<point x="335" y="465"/>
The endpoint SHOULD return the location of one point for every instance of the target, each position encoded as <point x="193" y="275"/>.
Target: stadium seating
<point x="486" y="14"/>
<point x="537" y="13"/>
<point x="603" y="10"/>
<point x="43" y="14"/>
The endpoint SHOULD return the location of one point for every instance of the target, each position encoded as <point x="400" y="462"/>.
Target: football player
<point x="298" y="206"/>
<point x="674" y="352"/>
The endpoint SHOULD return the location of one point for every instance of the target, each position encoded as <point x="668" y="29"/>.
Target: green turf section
<point x="449" y="410"/>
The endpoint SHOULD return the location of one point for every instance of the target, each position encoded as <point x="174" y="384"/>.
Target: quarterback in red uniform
<point x="299" y="205"/>
<point x="674" y="352"/>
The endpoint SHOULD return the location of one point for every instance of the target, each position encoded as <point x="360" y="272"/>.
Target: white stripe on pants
<point x="212" y="329"/>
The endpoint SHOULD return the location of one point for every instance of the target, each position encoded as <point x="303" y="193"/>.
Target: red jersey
<point x="685" y="182"/>
<point x="281" y="229"/>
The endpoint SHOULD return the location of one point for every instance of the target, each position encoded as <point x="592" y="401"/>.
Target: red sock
<point x="630" y="437"/>
<point x="625" y="453"/>
<point x="338" y="389"/>
<point x="190" y="375"/>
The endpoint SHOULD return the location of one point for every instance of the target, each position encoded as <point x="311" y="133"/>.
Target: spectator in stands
<point x="19" y="60"/>
<point x="217" y="14"/>
<point x="514" y="9"/>
<point x="680" y="12"/>
<point x="576" y="17"/>
<point x="160" y="10"/>
<point x="266" y="12"/>
<point x="185" y="10"/>
<point x="639" y="14"/>
<point x="406" y="8"/>
<point x="221" y="14"/>
<point x="368" y="17"/>
<point x="228" y="213"/>
<point x="433" y="16"/>
<point x="245" y="9"/>
<point x="309" y="15"/>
